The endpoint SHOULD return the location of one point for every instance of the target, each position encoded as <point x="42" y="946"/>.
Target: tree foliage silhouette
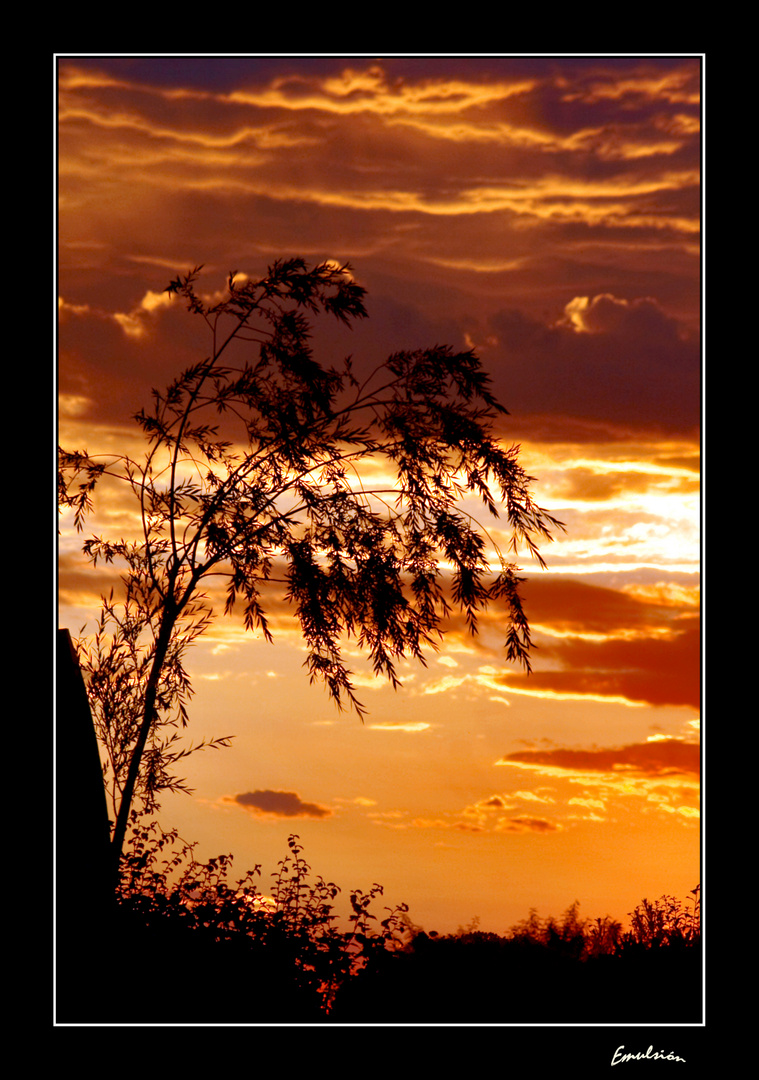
<point x="262" y="465"/>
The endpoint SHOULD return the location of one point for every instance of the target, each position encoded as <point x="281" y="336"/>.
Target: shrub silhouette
<point x="553" y="971"/>
<point x="205" y="949"/>
<point x="213" y="950"/>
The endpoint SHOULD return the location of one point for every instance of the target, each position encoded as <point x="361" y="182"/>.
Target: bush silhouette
<point x="203" y="949"/>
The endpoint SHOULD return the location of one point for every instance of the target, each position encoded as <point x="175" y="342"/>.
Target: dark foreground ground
<point x="164" y="974"/>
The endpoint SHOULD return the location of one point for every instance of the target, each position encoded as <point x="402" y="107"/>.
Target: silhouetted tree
<point x="254" y="471"/>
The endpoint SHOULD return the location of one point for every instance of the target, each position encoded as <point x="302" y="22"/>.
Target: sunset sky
<point x="546" y="212"/>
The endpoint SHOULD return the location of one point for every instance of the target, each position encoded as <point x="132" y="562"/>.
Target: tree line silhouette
<point x="200" y="947"/>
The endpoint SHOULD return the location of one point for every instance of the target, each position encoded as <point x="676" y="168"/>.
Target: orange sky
<point x="545" y="211"/>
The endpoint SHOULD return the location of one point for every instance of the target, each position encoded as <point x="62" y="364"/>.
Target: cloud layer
<point x="656" y="758"/>
<point x="546" y="210"/>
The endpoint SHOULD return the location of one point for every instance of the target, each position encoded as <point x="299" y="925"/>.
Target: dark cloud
<point x="485" y="190"/>
<point x="594" y="641"/>
<point x="646" y="629"/>
<point x="651" y="670"/>
<point x="661" y="757"/>
<point x="664" y="686"/>
<point x="222" y="74"/>
<point x="514" y="824"/>
<point x="614" y="645"/>
<point x="575" y="605"/>
<point x="287" y="804"/>
<point x="612" y="361"/>
<point x="527" y="824"/>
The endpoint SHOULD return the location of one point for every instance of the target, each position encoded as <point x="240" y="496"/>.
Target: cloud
<point x="607" y="314"/>
<point x="617" y="482"/>
<point x="643" y="85"/>
<point x="663" y="774"/>
<point x="495" y="802"/>
<point x="578" y="607"/>
<point x="655" y="670"/>
<point x="497" y="813"/>
<point x="528" y="824"/>
<point x="607" y="359"/>
<point x="66" y="309"/>
<point x="401" y="725"/>
<point x="286" y="804"/>
<point x="74" y="405"/>
<point x="490" y="814"/>
<point x="135" y="323"/>
<point x="455" y="175"/>
<point x="633" y="646"/>
<point x="640" y="648"/>
<point x="655" y="758"/>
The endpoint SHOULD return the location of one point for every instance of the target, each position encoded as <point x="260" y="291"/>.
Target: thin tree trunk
<point x="151" y="693"/>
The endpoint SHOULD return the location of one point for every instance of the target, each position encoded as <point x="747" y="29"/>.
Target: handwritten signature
<point x="650" y="1055"/>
